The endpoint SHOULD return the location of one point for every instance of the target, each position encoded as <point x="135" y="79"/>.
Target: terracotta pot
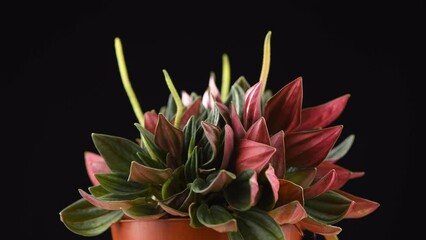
<point x="176" y="229"/>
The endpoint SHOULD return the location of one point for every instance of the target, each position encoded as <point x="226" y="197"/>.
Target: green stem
<point x="126" y="82"/>
<point x="226" y="77"/>
<point x="266" y="60"/>
<point x="333" y="237"/>
<point x="176" y="97"/>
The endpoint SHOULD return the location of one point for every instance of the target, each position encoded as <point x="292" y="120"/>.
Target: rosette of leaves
<point x="240" y="161"/>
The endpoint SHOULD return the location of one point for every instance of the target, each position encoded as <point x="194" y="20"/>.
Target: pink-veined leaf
<point x="193" y="110"/>
<point x="362" y="206"/>
<point x="343" y="174"/>
<point x="320" y="228"/>
<point x="224" y="112"/>
<point x="252" y="111"/>
<point x="289" y="192"/>
<point x="228" y="146"/>
<point x="237" y="126"/>
<point x="273" y="182"/>
<point x="258" y="132"/>
<point x="169" y="138"/>
<point x="144" y="174"/>
<point x="309" y="149"/>
<point x="253" y="155"/>
<point x="111" y="203"/>
<point x="321" y="116"/>
<point x="212" y="134"/>
<point x="95" y="164"/>
<point x="290" y="213"/>
<point x="321" y="186"/>
<point x="214" y="91"/>
<point x="278" y="159"/>
<point x="151" y="119"/>
<point x="283" y="110"/>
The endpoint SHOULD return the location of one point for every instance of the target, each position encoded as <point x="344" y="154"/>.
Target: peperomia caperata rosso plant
<point x="241" y="160"/>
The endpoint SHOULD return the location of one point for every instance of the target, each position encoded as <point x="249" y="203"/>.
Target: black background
<point x="60" y="83"/>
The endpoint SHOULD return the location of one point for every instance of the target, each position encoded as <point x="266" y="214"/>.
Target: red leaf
<point x="228" y="146"/>
<point x="278" y="159"/>
<point x="172" y="211"/>
<point x="362" y="206"/>
<point x="212" y="133"/>
<point x="342" y="174"/>
<point x="290" y="213"/>
<point x="309" y="149"/>
<point x="322" y="115"/>
<point x="319" y="228"/>
<point x="151" y="119"/>
<point x="252" y="111"/>
<point x="214" y="91"/>
<point x="237" y="126"/>
<point x="143" y="174"/>
<point x="321" y="186"/>
<point x="289" y="192"/>
<point x="95" y="164"/>
<point x="273" y="182"/>
<point x="109" y="205"/>
<point x="192" y="110"/>
<point x="224" y="112"/>
<point x="258" y="132"/>
<point x="169" y="138"/>
<point x="253" y="155"/>
<point x="283" y="110"/>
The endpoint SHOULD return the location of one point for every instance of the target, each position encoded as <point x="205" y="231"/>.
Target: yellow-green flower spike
<point x="126" y="82"/>
<point x="266" y="60"/>
<point x="226" y="77"/>
<point x="176" y="97"/>
<point x="332" y="237"/>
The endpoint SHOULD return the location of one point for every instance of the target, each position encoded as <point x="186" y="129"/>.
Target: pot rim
<point x="156" y="220"/>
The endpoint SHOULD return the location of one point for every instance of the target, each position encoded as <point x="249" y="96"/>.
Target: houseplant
<point x="239" y="163"/>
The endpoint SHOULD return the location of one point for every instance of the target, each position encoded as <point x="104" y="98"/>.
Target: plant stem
<point x="226" y="77"/>
<point x="266" y="60"/>
<point x="333" y="237"/>
<point x="176" y="97"/>
<point x="126" y="82"/>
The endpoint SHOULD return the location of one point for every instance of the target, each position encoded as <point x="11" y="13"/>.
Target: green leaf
<point x="302" y="177"/>
<point x="189" y="133"/>
<point x="171" y="108"/>
<point x="217" y="218"/>
<point x="214" y="182"/>
<point x="83" y="218"/>
<point x="270" y="187"/>
<point x="191" y="166"/>
<point x="149" y="142"/>
<point x="236" y="97"/>
<point x="178" y="204"/>
<point x="241" y="193"/>
<point x="143" y="174"/>
<point x="256" y="224"/>
<point x="175" y="184"/>
<point x="169" y="138"/>
<point x="328" y="208"/>
<point x="145" y="212"/>
<point x="113" y="201"/>
<point x="117" y="183"/>
<point x="148" y="161"/>
<point x="117" y="152"/>
<point x="98" y="191"/>
<point x="194" y="222"/>
<point x="213" y="116"/>
<point x="340" y="150"/>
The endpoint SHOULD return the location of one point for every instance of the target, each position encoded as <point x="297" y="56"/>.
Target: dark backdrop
<point x="60" y="83"/>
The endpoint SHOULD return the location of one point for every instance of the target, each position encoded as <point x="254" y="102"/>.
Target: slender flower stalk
<point x="226" y="77"/>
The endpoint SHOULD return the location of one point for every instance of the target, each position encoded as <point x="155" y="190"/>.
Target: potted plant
<point x="239" y="163"/>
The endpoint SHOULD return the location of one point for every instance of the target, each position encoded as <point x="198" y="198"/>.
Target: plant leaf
<point x="169" y="138"/>
<point x="143" y="174"/>
<point x="322" y="115"/>
<point x="328" y="208"/>
<point x="302" y="177"/>
<point x="98" y="191"/>
<point x="361" y="208"/>
<point x="175" y="183"/>
<point x="148" y="139"/>
<point x="215" y="182"/>
<point x="278" y="159"/>
<point x="343" y="174"/>
<point x="242" y="193"/>
<point x="283" y="110"/>
<point x="237" y="126"/>
<point x="171" y="108"/>
<point x="95" y="164"/>
<point x="191" y="166"/>
<point x="253" y="155"/>
<point x="314" y="226"/>
<point x="151" y="119"/>
<point x="258" y="132"/>
<point x="252" y="112"/>
<point x="216" y="217"/>
<point x="144" y="212"/>
<point x="148" y="161"/>
<point x="112" y="201"/>
<point x="270" y="187"/>
<point x="340" y="150"/>
<point x="117" y="183"/>
<point x="193" y="110"/>
<point x="83" y="218"/>
<point x="117" y="152"/>
<point x="309" y="149"/>
<point x="321" y="186"/>
<point x="194" y="222"/>
<point x="228" y="146"/>
<point x="256" y="224"/>
<point x="213" y="116"/>
<point x="289" y="192"/>
<point x="224" y="112"/>
<point x="290" y="213"/>
<point x="174" y="205"/>
<point x="212" y="134"/>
